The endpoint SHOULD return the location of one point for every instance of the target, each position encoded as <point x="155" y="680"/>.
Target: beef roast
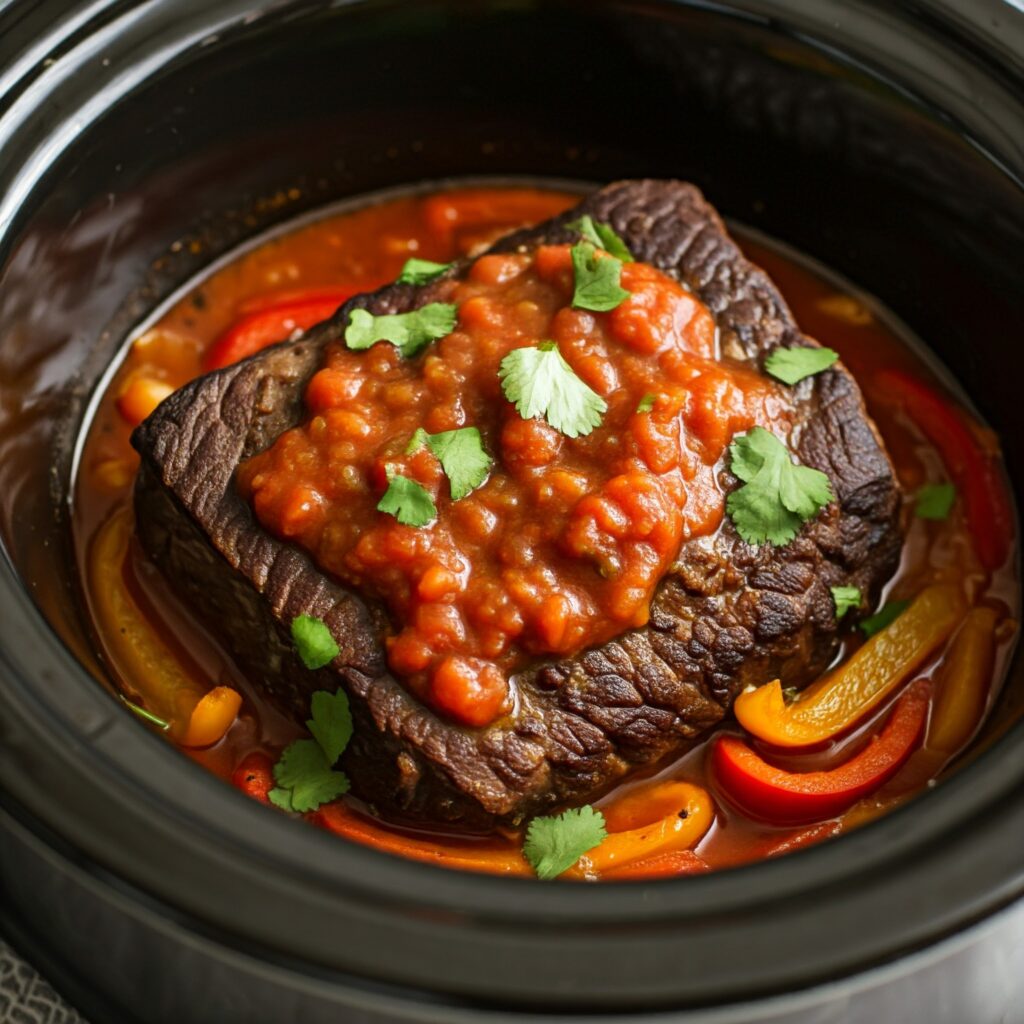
<point x="726" y="614"/>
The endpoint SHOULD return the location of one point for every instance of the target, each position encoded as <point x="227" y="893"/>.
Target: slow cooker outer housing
<point x="138" y="142"/>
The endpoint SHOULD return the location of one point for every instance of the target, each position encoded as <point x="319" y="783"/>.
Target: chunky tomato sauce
<point x="494" y="582"/>
<point x="563" y="545"/>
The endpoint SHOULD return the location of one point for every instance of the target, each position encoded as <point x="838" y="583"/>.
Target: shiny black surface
<point x="883" y="139"/>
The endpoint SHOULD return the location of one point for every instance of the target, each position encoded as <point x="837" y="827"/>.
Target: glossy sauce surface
<point x="366" y="249"/>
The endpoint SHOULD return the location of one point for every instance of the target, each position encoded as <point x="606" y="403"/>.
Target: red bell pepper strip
<point x="256" y="330"/>
<point x="254" y="776"/>
<point x="975" y="473"/>
<point x="786" y="797"/>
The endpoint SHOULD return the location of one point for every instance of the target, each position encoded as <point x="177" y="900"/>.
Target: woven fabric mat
<point x="26" y="998"/>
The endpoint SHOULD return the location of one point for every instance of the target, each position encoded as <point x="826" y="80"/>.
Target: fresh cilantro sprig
<point x="409" y="502"/>
<point x="646" y="404"/>
<point x="305" y="773"/>
<point x="420" y="272"/>
<point x="778" y="496"/>
<point x="461" y="454"/>
<point x="553" y="844"/>
<point x="596" y="279"/>
<point x="539" y="382"/>
<point x="888" y="613"/>
<point x="792" y="365"/>
<point x="846" y="599"/>
<point x="313" y="641"/>
<point x="408" y="332"/>
<point x="603" y="236"/>
<point x="934" y="501"/>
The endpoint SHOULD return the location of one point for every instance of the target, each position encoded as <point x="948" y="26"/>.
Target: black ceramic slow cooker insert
<point x="884" y="139"/>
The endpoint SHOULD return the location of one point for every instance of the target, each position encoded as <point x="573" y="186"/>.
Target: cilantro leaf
<point x="554" y="844"/>
<point x="846" y="599"/>
<point x="420" y="271"/>
<point x="330" y="722"/>
<point x="313" y="641"/>
<point x="646" y="404"/>
<point x="778" y="496"/>
<point x="147" y="716"/>
<point x="791" y="365"/>
<point x="539" y="382"/>
<point x="406" y="500"/>
<point x="596" y="279"/>
<point x="305" y="774"/>
<point x="409" y="332"/>
<point x="461" y="454"/>
<point x="601" y="235"/>
<point x="935" y="501"/>
<point x="889" y="612"/>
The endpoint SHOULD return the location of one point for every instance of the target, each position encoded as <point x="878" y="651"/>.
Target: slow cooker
<point x="140" y="141"/>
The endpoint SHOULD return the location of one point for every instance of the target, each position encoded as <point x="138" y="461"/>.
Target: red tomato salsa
<point x="564" y="543"/>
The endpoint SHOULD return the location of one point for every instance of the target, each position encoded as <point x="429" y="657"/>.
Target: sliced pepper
<point x="963" y="683"/>
<point x="661" y="865"/>
<point x="780" y="796"/>
<point x="134" y="648"/>
<point x="685" y="810"/>
<point x="257" y="330"/>
<point x="212" y="717"/>
<point x="839" y="700"/>
<point x="975" y="473"/>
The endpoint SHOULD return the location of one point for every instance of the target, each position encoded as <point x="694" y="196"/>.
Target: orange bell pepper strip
<point x="963" y="682"/>
<point x="839" y="700"/>
<point x="212" y="717"/>
<point x="780" y="796"/>
<point x="973" y="470"/>
<point x="136" y="651"/>
<point x="488" y="857"/>
<point x="257" y="330"/>
<point x="662" y="865"/>
<point x="685" y="810"/>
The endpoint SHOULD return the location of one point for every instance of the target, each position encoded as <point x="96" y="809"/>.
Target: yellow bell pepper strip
<point x="212" y="717"/>
<point x="839" y="700"/>
<point x="784" y="797"/>
<point x="963" y="683"/>
<point x="686" y="814"/>
<point x="662" y="865"/>
<point x="136" y="651"/>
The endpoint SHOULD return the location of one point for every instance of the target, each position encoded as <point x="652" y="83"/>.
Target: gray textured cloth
<point x="25" y="998"/>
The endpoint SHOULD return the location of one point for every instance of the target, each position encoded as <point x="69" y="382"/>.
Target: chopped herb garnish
<point x="461" y="454"/>
<point x="791" y="365"/>
<point x="846" y="599"/>
<point x="420" y="271"/>
<point x="539" y="382"/>
<point x="888" y="613"/>
<point x="147" y="716"/>
<point x="304" y="773"/>
<point x="935" y="501"/>
<point x="603" y="236"/>
<point x="313" y="641"/>
<point x="409" y="502"/>
<point x="554" y="844"/>
<point x="409" y="332"/>
<point x="778" y="495"/>
<point x="596" y="279"/>
<point x="646" y="404"/>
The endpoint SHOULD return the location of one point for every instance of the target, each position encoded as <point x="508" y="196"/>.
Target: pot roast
<point x="726" y="615"/>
